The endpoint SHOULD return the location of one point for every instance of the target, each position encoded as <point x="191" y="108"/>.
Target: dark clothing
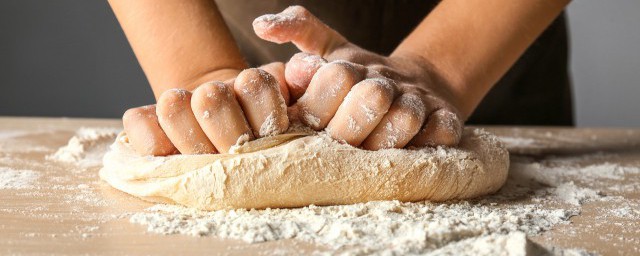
<point x="535" y="91"/>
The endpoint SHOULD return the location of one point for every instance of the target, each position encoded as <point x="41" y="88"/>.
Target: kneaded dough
<point x="298" y="169"/>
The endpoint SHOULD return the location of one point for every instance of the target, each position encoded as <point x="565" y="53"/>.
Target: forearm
<point x="473" y="43"/>
<point x="179" y="43"/>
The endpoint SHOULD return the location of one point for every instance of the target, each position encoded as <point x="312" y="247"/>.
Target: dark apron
<point x="535" y="91"/>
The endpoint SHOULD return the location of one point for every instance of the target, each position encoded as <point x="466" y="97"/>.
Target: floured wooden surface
<point x="51" y="206"/>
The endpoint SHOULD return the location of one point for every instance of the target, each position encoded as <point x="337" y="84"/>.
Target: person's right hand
<point x="214" y="116"/>
<point x="359" y="97"/>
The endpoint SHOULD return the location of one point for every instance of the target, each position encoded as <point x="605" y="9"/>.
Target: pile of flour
<point x="387" y="226"/>
<point x="86" y="147"/>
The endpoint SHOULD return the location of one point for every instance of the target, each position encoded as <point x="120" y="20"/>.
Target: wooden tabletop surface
<point x="53" y="217"/>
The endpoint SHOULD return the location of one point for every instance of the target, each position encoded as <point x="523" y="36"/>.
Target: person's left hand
<point x="360" y="97"/>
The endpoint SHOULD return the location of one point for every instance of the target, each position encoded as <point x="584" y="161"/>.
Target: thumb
<point x="297" y="25"/>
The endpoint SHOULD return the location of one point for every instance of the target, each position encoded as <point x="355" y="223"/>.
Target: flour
<point x="511" y="142"/>
<point x="538" y="196"/>
<point x="310" y="119"/>
<point x="570" y="193"/>
<point x="269" y="126"/>
<point x="389" y="226"/>
<point x="86" y="147"/>
<point x="548" y="193"/>
<point x="17" y="179"/>
<point x="487" y="226"/>
<point x="562" y="173"/>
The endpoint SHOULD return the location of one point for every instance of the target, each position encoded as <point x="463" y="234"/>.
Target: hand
<point x="360" y="97"/>
<point x="214" y="116"/>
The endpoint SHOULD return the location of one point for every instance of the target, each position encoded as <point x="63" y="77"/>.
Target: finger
<point x="442" y="128"/>
<point x="144" y="132"/>
<point x="261" y="101"/>
<point x="179" y="123"/>
<point x="299" y="71"/>
<point x="403" y="121"/>
<point x="220" y="115"/>
<point x="277" y="70"/>
<point x="361" y="110"/>
<point x="296" y="24"/>
<point x="327" y="90"/>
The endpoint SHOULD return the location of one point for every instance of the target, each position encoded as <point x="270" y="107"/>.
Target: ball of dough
<point x="298" y="169"/>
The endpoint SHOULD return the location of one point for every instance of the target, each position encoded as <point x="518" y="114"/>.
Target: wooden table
<point x="53" y="217"/>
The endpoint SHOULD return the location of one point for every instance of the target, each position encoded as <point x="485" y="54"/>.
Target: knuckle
<point x="253" y="80"/>
<point x="379" y="90"/>
<point x="173" y="96"/>
<point x="379" y="70"/>
<point x="138" y="113"/>
<point x="306" y="61"/>
<point x="411" y="113"/>
<point x="210" y="94"/>
<point x="337" y="69"/>
<point x="412" y="104"/>
<point x="443" y="128"/>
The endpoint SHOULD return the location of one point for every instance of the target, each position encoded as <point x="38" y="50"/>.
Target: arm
<point x="442" y="70"/>
<point x="473" y="43"/>
<point x="185" y="50"/>
<point x="179" y="43"/>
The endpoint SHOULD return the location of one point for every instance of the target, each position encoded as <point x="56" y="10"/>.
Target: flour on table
<point x="492" y="225"/>
<point x="511" y="142"/>
<point x="17" y="179"/>
<point x="537" y="196"/>
<point x="86" y="147"/>
<point x="570" y="193"/>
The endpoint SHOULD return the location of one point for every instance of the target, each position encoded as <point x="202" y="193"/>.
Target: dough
<point x="298" y="169"/>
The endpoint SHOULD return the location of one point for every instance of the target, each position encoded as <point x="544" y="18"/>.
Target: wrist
<point x="221" y="75"/>
<point x="194" y="81"/>
<point x="446" y="82"/>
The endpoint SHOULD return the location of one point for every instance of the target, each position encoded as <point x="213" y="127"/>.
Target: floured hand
<point x="360" y="97"/>
<point x="214" y="116"/>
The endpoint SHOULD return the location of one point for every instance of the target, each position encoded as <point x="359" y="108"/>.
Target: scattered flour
<point x="86" y="147"/>
<point x="494" y="244"/>
<point x="570" y="193"/>
<point x="487" y="226"/>
<point x="511" y="142"/>
<point x="566" y="170"/>
<point x="554" y="191"/>
<point x="17" y="179"/>
<point x="11" y="134"/>
<point x="386" y="226"/>
<point x="547" y="193"/>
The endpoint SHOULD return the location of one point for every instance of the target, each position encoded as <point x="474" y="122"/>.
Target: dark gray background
<point x="70" y="58"/>
<point x="66" y="58"/>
